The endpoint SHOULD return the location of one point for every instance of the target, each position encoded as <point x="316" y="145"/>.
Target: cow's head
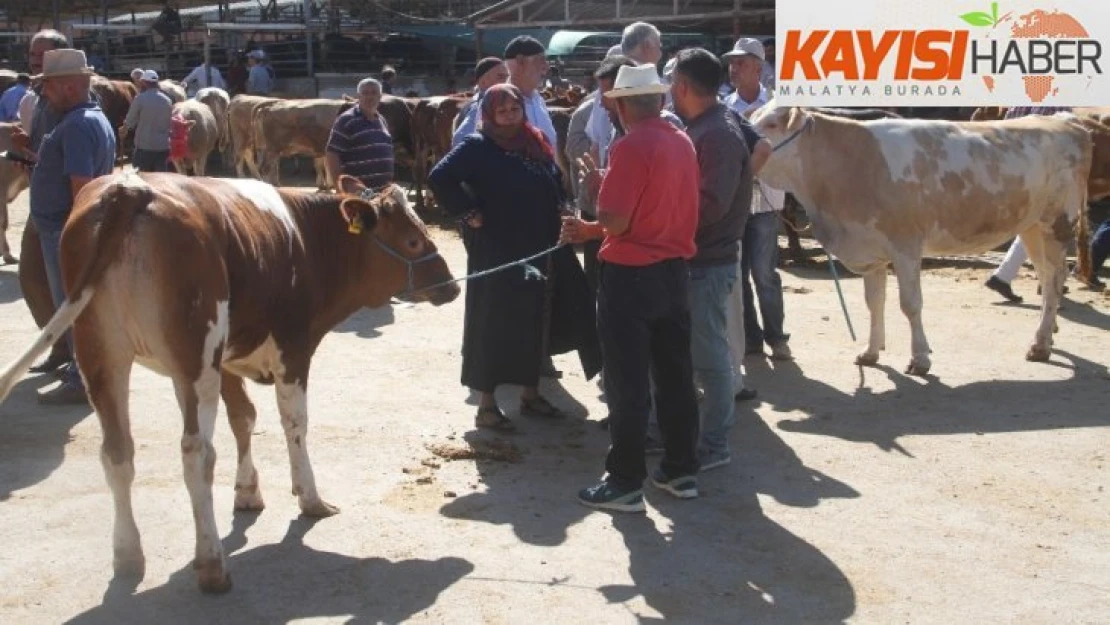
<point x="785" y="127"/>
<point x="401" y="256"/>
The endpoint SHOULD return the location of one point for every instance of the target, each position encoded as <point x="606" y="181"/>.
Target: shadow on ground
<point x="916" y="407"/>
<point x="286" y="582"/>
<point x="720" y="560"/>
<point x="365" y="322"/>
<point x="33" y="437"/>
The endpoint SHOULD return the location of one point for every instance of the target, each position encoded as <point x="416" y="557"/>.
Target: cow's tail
<point x="119" y="202"/>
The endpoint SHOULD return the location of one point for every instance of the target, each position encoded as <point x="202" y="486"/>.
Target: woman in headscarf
<point x="504" y="183"/>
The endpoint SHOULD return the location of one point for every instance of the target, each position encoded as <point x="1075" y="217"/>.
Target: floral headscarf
<point x="523" y="138"/>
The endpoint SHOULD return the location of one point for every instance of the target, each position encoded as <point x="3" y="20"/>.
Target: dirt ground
<point x="978" y="495"/>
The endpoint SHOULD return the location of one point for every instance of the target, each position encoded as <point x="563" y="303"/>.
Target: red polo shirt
<point x="652" y="178"/>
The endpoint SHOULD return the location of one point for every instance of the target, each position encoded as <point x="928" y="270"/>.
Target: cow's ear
<point x="349" y="185"/>
<point x="360" y="215"/>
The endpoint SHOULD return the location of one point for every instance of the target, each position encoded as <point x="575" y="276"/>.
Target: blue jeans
<point x="1100" y="248"/>
<point x="710" y="288"/>
<point x="50" y="240"/>
<point x="759" y="258"/>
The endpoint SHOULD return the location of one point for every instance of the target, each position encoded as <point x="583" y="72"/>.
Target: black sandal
<point x="492" y="418"/>
<point x="538" y="406"/>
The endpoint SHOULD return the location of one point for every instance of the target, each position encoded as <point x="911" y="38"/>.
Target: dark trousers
<point x="643" y="321"/>
<point x="1100" y="248"/>
<point x="149" y="160"/>
<point x="591" y="264"/>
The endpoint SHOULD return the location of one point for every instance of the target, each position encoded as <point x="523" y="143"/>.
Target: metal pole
<point x="307" y="8"/>
<point x="57" y="15"/>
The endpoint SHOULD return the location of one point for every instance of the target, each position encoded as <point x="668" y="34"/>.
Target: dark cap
<point x="523" y="46"/>
<point x="768" y="41"/>
<point x="486" y="65"/>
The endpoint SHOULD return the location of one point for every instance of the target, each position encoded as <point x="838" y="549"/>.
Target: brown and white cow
<point x="204" y="136"/>
<point x="13" y="180"/>
<point x="887" y="192"/>
<point x="291" y="128"/>
<point x="270" y="273"/>
<point x="218" y="102"/>
<point x="240" y="121"/>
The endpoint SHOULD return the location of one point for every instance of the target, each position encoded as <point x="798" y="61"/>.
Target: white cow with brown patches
<point x="888" y="192"/>
<point x="270" y="272"/>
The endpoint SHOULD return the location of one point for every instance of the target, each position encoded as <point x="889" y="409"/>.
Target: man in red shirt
<point x="647" y="212"/>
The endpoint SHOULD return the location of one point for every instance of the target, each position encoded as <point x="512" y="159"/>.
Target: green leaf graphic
<point x="994" y="12"/>
<point x="978" y="18"/>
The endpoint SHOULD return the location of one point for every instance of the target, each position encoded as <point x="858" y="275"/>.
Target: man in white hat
<point x="80" y="148"/>
<point x="647" y="213"/>
<point x="37" y="120"/>
<point x="745" y="68"/>
<point x="149" y="116"/>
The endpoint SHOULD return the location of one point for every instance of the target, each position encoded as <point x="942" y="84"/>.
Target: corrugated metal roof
<point x="683" y="14"/>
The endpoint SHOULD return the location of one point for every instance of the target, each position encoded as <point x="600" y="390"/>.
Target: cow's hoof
<point x="1038" y="354"/>
<point x="318" y="509"/>
<point x="129" y="565"/>
<point x="867" y="359"/>
<point x="918" y="368"/>
<point x="212" y="577"/>
<point x="249" y="502"/>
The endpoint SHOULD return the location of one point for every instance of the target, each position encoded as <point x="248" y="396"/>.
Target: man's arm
<point x="338" y="143"/>
<point x="132" y="118"/>
<point x="468" y="125"/>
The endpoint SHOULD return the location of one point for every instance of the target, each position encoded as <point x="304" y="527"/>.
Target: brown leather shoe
<point x="64" y="395"/>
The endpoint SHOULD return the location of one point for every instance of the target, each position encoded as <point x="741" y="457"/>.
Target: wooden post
<point x="478" y="43"/>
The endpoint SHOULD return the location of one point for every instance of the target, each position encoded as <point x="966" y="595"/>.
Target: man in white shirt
<point x="526" y="59"/>
<point x="202" y="76"/>
<point x="759" y="250"/>
<point x="642" y="43"/>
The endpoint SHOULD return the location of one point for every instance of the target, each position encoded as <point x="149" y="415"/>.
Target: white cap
<point x="150" y="75"/>
<point x="614" y="51"/>
<point x="255" y="54"/>
<point x="137" y="73"/>
<point x="746" y="46"/>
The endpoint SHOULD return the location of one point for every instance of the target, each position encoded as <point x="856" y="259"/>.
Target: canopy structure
<point x="717" y="16"/>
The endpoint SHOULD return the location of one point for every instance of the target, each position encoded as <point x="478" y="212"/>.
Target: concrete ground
<point x="977" y="495"/>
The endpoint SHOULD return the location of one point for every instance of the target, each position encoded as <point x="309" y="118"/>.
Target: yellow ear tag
<point x="355" y="226"/>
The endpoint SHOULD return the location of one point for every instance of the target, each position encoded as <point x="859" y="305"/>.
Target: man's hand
<point x="122" y="132"/>
<point x="475" y="221"/>
<point x="589" y="176"/>
<point x="575" y="230"/>
<point x="20" y="140"/>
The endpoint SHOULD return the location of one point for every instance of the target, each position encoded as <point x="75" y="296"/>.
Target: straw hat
<point x="63" y="62"/>
<point x="637" y="80"/>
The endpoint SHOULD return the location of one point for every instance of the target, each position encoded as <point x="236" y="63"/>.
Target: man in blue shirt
<point x="9" y="102"/>
<point x="80" y="148"/>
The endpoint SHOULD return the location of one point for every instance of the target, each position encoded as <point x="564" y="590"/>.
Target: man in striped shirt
<point x="360" y="144"/>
